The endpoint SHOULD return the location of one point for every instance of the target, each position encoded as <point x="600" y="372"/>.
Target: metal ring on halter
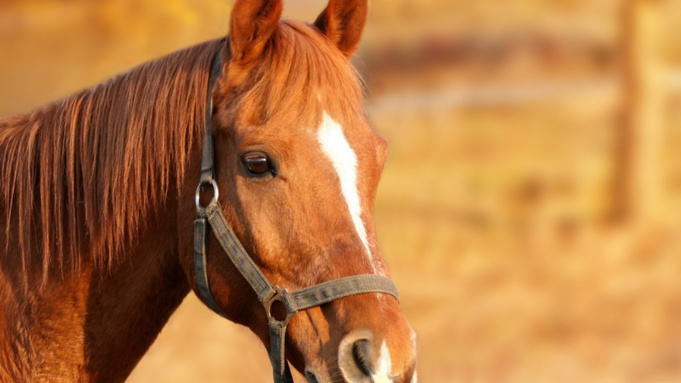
<point x="216" y="193"/>
<point x="280" y="295"/>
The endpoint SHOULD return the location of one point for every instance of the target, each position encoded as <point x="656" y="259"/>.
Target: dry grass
<point x="492" y="218"/>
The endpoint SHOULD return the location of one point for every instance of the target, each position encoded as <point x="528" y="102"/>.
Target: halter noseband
<point x="267" y="293"/>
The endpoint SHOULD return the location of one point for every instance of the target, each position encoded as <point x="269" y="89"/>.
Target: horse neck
<point x="128" y="307"/>
<point x="94" y="324"/>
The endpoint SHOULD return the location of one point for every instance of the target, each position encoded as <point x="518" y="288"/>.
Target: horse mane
<point x="80" y="175"/>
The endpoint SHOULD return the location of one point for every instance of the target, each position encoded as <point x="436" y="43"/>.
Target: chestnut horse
<point x="97" y="210"/>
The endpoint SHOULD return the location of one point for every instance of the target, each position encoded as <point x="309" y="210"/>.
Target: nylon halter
<point x="317" y="295"/>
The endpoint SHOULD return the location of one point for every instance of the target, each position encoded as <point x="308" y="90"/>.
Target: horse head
<point x="297" y="165"/>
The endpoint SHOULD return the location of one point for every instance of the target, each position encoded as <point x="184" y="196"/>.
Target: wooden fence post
<point x="639" y="183"/>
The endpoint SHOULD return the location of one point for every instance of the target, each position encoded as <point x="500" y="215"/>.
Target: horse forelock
<point x="301" y="74"/>
<point x="81" y="175"/>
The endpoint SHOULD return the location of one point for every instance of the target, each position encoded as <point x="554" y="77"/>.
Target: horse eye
<point x="257" y="163"/>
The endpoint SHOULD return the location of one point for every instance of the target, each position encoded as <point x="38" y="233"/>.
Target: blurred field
<point x="495" y="208"/>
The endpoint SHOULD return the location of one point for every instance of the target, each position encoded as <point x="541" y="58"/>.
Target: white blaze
<point x="383" y="373"/>
<point x="335" y="146"/>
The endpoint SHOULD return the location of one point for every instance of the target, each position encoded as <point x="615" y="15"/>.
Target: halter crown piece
<point x="267" y="293"/>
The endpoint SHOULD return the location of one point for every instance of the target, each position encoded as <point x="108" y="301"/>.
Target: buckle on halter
<point x="216" y="193"/>
<point x="281" y="296"/>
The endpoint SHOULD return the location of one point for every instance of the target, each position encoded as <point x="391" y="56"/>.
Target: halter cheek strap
<point x="211" y="216"/>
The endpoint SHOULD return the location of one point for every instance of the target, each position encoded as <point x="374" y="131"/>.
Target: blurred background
<point x="529" y="209"/>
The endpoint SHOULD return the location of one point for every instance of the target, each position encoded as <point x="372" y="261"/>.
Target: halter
<point x="268" y="294"/>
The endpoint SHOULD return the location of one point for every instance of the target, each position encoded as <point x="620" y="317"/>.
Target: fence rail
<point x="491" y="95"/>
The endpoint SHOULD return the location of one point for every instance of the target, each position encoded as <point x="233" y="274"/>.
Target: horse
<point x="103" y="230"/>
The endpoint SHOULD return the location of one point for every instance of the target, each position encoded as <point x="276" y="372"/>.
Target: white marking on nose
<point x="414" y="378"/>
<point x="383" y="367"/>
<point x="336" y="147"/>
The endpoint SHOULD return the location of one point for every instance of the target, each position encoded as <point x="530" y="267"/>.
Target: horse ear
<point x="343" y="22"/>
<point x="252" y="25"/>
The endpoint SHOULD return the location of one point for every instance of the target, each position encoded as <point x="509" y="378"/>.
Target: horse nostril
<point x="360" y="353"/>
